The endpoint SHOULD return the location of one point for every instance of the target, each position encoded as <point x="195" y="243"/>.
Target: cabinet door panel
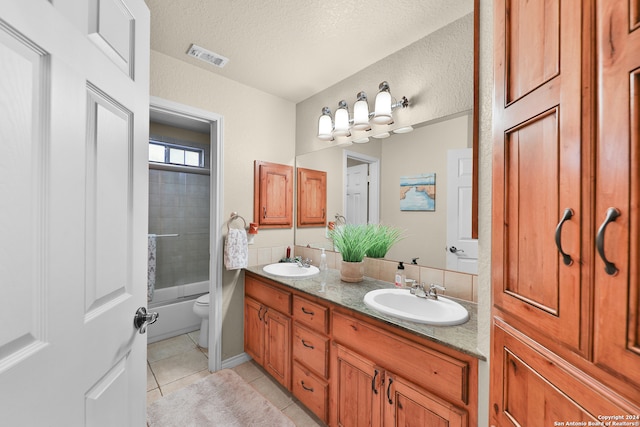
<point x="356" y="390"/>
<point x="253" y="329"/>
<point x="277" y="347"/>
<point x="312" y="198"/>
<point x="617" y="297"/>
<point x="409" y="405"/>
<point x="532" y="386"/>
<point x="537" y="171"/>
<point x="273" y="195"/>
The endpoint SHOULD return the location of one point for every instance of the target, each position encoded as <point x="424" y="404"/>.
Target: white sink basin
<point x="289" y="269"/>
<point x="402" y="304"/>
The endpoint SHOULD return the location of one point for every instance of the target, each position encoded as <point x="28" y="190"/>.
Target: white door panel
<point x="73" y="212"/>
<point x="357" y="194"/>
<point x="464" y="257"/>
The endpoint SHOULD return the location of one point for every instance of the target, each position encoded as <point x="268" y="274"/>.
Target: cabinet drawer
<point x="311" y="314"/>
<point x="311" y="349"/>
<point x="268" y="295"/>
<point x="311" y="391"/>
<point x="444" y="375"/>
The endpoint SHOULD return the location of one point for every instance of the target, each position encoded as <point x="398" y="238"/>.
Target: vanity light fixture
<point x="362" y="119"/>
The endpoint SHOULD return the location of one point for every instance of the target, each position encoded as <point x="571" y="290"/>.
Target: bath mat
<point x="220" y="399"/>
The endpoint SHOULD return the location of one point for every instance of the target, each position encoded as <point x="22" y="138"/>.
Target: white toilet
<point x="201" y="309"/>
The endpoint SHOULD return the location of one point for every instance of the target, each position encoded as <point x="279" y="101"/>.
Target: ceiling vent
<point x="207" y="56"/>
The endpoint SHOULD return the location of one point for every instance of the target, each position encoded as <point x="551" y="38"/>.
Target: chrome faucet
<point x="306" y="263"/>
<point x="421" y="290"/>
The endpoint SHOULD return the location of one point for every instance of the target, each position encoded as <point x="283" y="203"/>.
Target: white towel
<point x="151" y="267"/>
<point x="236" y="250"/>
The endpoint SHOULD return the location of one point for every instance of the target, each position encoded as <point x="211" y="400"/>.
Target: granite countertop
<point x="463" y="338"/>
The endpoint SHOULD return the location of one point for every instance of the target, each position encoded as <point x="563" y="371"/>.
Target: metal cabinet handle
<point x="307" y="312"/>
<point x="568" y="213"/>
<point x="389" y="391"/>
<point x="142" y="319"/>
<point x="264" y="212"/>
<point x="307" y="345"/>
<point x="305" y="387"/>
<point x="373" y="382"/>
<point x="609" y="267"/>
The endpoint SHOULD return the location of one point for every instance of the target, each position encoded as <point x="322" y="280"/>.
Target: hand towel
<point x="151" y="267"/>
<point x="236" y="249"/>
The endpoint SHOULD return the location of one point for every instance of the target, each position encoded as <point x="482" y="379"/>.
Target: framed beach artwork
<point x="418" y="192"/>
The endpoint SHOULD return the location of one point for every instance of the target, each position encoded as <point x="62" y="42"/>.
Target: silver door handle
<point x="142" y="319"/>
<point x="455" y="250"/>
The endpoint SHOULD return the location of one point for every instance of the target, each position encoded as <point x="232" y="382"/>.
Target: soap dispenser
<point x="323" y="267"/>
<point x="400" y="276"/>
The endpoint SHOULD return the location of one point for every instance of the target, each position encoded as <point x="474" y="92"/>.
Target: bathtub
<point x="174" y="306"/>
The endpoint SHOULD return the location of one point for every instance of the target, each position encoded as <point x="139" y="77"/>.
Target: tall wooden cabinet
<point x="565" y="199"/>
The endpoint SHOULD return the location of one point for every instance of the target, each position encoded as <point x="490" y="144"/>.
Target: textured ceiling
<point x="295" y="48"/>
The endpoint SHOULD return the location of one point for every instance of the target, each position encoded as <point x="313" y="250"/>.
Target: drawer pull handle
<point x="307" y="345"/>
<point x="389" y="391"/>
<point x="305" y="387"/>
<point x="568" y="213"/>
<point x="609" y="267"/>
<point x="373" y="382"/>
<point x="304" y="310"/>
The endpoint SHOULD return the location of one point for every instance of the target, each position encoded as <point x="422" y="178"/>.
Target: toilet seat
<point x="203" y="300"/>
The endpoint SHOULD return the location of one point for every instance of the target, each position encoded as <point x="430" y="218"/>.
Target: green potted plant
<point x="352" y="241"/>
<point x="384" y="237"/>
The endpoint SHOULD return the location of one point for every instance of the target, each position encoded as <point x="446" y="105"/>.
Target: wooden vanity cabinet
<point x="273" y="195"/>
<point x="267" y="328"/>
<point x="566" y="199"/>
<point x="351" y="370"/>
<point x="312" y="198"/>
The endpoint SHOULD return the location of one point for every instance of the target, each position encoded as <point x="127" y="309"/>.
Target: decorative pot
<point x="352" y="272"/>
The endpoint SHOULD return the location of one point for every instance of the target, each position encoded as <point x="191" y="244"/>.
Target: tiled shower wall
<point x="179" y="204"/>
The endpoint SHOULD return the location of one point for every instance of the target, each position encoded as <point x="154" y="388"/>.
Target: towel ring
<point x="234" y="216"/>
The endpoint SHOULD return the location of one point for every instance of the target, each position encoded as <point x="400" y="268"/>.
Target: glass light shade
<point x="361" y="140"/>
<point x="325" y="127"/>
<point x="342" y="123"/>
<point x="382" y="115"/>
<point x="382" y="135"/>
<point x="361" y="115"/>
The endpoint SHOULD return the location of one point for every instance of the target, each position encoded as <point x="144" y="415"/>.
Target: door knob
<point x="142" y="319"/>
<point x="455" y="250"/>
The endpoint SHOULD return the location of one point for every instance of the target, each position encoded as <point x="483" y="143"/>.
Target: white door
<point x="74" y="108"/>
<point x="462" y="250"/>
<point x="357" y="194"/>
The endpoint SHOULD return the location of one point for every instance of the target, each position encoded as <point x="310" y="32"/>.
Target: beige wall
<point x="256" y="126"/>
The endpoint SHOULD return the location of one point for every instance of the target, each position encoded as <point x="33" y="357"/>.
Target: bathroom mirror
<point x="425" y="151"/>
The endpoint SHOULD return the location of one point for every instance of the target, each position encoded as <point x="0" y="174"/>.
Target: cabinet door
<point x="312" y="198"/>
<point x="254" y="329"/>
<point x="617" y="292"/>
<point x="356" y="390"/>
<point x="537" y="172"/>
<point x="277" y="346"/>
<point x="405" y="404"/>
<point x="530" y="386"/>
<point x="273" y="195"/>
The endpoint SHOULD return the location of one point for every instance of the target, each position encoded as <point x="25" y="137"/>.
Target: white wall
<point x="257" y="126"/>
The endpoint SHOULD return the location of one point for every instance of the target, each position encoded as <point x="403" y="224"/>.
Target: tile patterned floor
<point x="176" y="362"/>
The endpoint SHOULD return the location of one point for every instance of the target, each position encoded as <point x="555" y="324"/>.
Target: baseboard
<point x="234" y="361"/>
